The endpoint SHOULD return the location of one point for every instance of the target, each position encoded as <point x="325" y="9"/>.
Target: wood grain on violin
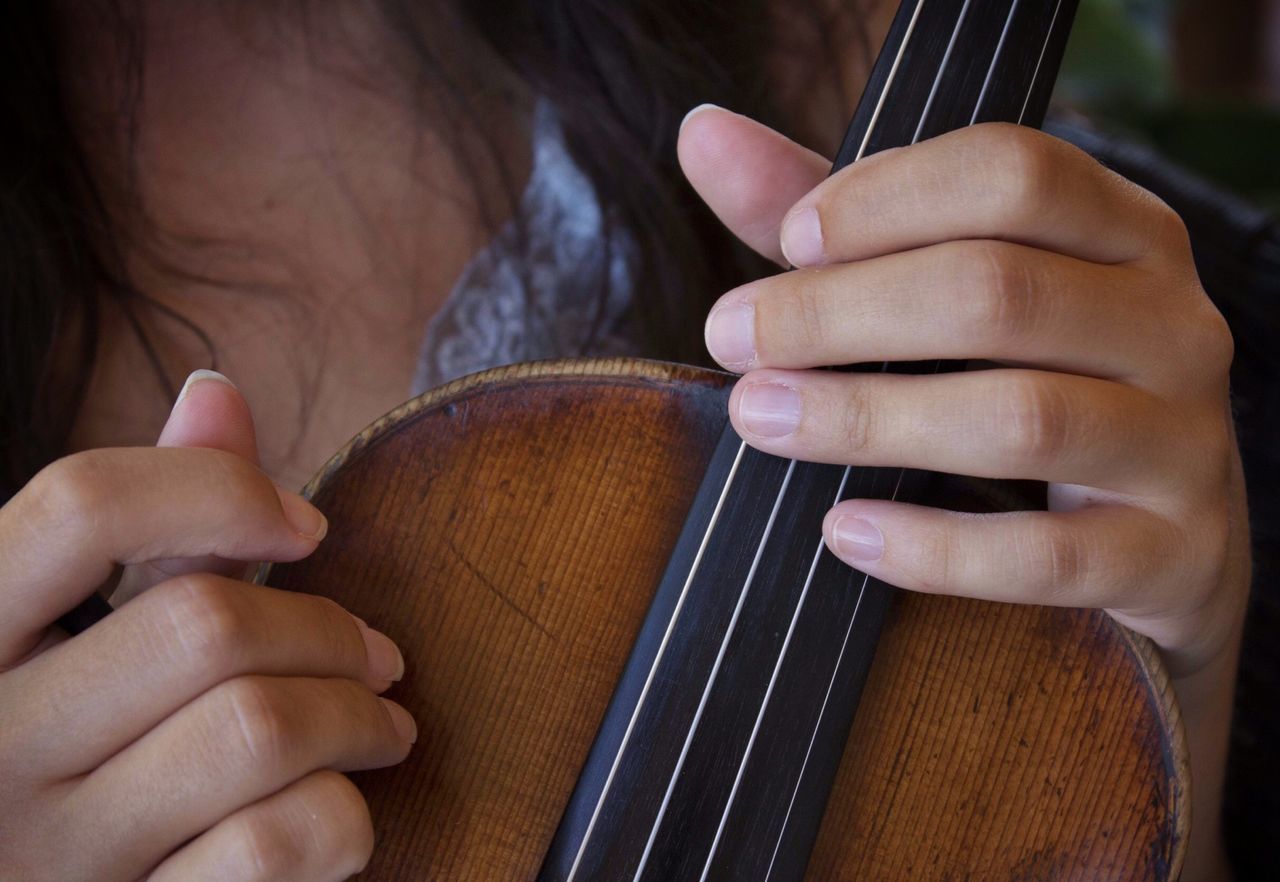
<point x="507" y="531"/>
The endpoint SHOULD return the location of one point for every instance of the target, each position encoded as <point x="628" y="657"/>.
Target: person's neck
<point x="307" y="216"/>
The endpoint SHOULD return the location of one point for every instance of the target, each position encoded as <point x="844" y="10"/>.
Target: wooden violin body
<point x="507" y="530"/>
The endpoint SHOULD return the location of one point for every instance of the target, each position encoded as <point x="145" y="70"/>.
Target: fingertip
<point x="406" y="727"/>
<point x="306" y="520"/>
<point x="747" y="173"/>
<point x="701" y="108"/>
<point x="855" y="540"/>
<point x="200" y="376"/>
<point x="800" y="239"/>
<point x="854" y="530"/>
<point x="698" y="142"/>
<point x="386" y="662"/>
<point x="729" y="334"/>
<point x="210" y="411"/>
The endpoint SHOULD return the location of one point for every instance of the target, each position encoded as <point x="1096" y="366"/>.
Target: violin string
<point x="715" y="670"/>
<point x="813" y="736"/>
<point x="1039" y="61"/>
<point x="946" y="59"/>
<point x="662" y="647"/>
<point x="865" y="579"/>
<point x="991" y="69"/>
<point x="773" y="679"/>
<point x="888" y="83"/>
<point x="693" y="727"/>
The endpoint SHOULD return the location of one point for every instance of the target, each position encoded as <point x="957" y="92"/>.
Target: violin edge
<point x="548" y="370"/>
<point x="1178" y="755"/>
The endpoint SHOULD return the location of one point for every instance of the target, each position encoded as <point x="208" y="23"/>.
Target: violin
<point x="631" y="657"/>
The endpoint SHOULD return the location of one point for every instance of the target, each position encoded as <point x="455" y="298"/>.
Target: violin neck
<point x="946" y="64"/>
<point x="717" y="754"/>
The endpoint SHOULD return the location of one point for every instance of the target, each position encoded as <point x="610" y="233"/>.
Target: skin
<point x="201" y="731"/>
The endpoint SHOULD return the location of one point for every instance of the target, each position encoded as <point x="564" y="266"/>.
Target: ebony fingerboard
<point x="716" y="756"/>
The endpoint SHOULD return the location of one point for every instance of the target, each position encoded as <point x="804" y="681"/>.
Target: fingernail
<point x="769" y="409"/>
<point x="302" y="515"/>
<point x="857" y="539"/>
<point x="199" y="377"/>
<point x="802" y="238"/>
<point x="731" y="334"/>
<point x="406" y="728"/>
<point x="692" y="113"/>
<point x="385" y="660"/>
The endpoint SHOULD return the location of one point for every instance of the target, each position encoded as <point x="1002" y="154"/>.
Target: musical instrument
<point x="578" y="723"/>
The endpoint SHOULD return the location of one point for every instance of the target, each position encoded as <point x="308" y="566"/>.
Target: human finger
<point x="747" y="173"/>
<point x="973" y="299"/>
<point x="209" y="412"/>
<point x="991" y="181"/>
<point x="238" y="743"/>
<point x="120" y="679"/>
<point x="1099" y="556"/>
<point x="998" y="423"/>
<point x="316" y="829"/>
<point x="65" y="531"/>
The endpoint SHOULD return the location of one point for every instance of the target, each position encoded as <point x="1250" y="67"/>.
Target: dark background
<point x="1197" y="79"/>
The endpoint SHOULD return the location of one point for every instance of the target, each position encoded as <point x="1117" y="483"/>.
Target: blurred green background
<point x="1199" y="79"/>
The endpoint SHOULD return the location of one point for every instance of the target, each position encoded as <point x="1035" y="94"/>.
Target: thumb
<point x="211" y="412"/>
<point x="747" y="173"/>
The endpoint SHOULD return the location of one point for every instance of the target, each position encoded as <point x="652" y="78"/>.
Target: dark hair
<point x="620" y="75"/>
<point x="49" y="271"/>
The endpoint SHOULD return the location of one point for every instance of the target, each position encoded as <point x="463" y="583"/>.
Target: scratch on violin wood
<point x="495" y="590"/>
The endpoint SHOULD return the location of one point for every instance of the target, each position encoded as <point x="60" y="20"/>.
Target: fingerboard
<point x="717" y="753"/>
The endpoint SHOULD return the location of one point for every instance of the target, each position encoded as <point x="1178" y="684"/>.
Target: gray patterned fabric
<point x="554" y="282"/>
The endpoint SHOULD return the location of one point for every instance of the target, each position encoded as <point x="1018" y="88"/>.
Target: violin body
<point x="508" y="531"/>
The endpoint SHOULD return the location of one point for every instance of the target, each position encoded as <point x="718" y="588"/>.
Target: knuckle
<point x="1058" y="558"/>
<point x="1214" y="341"/>
<point x="796" y="321"/>
<point x="1001" y="302"/>
<point x="1032" y="420"/>
<point x="71" y="492"/>
<point x="1026" y="168"/>
<point x="857" y="430"/>
<point x="267" y="849"/>
<point x="934" y="562"/>
<point x="1167" y="226"/>
<point x="236" y="475"/>
<point x="259" y="715"/>
<point x="207" y="619"/>
<point x="321" y="821"/>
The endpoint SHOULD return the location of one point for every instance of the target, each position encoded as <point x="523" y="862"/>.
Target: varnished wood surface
<point x="508" y="529"/>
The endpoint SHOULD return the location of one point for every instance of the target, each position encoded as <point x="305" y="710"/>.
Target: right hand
<point x="200" y="731"/>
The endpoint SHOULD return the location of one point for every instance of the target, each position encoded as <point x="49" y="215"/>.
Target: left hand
<point x="1003" y="244"/>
